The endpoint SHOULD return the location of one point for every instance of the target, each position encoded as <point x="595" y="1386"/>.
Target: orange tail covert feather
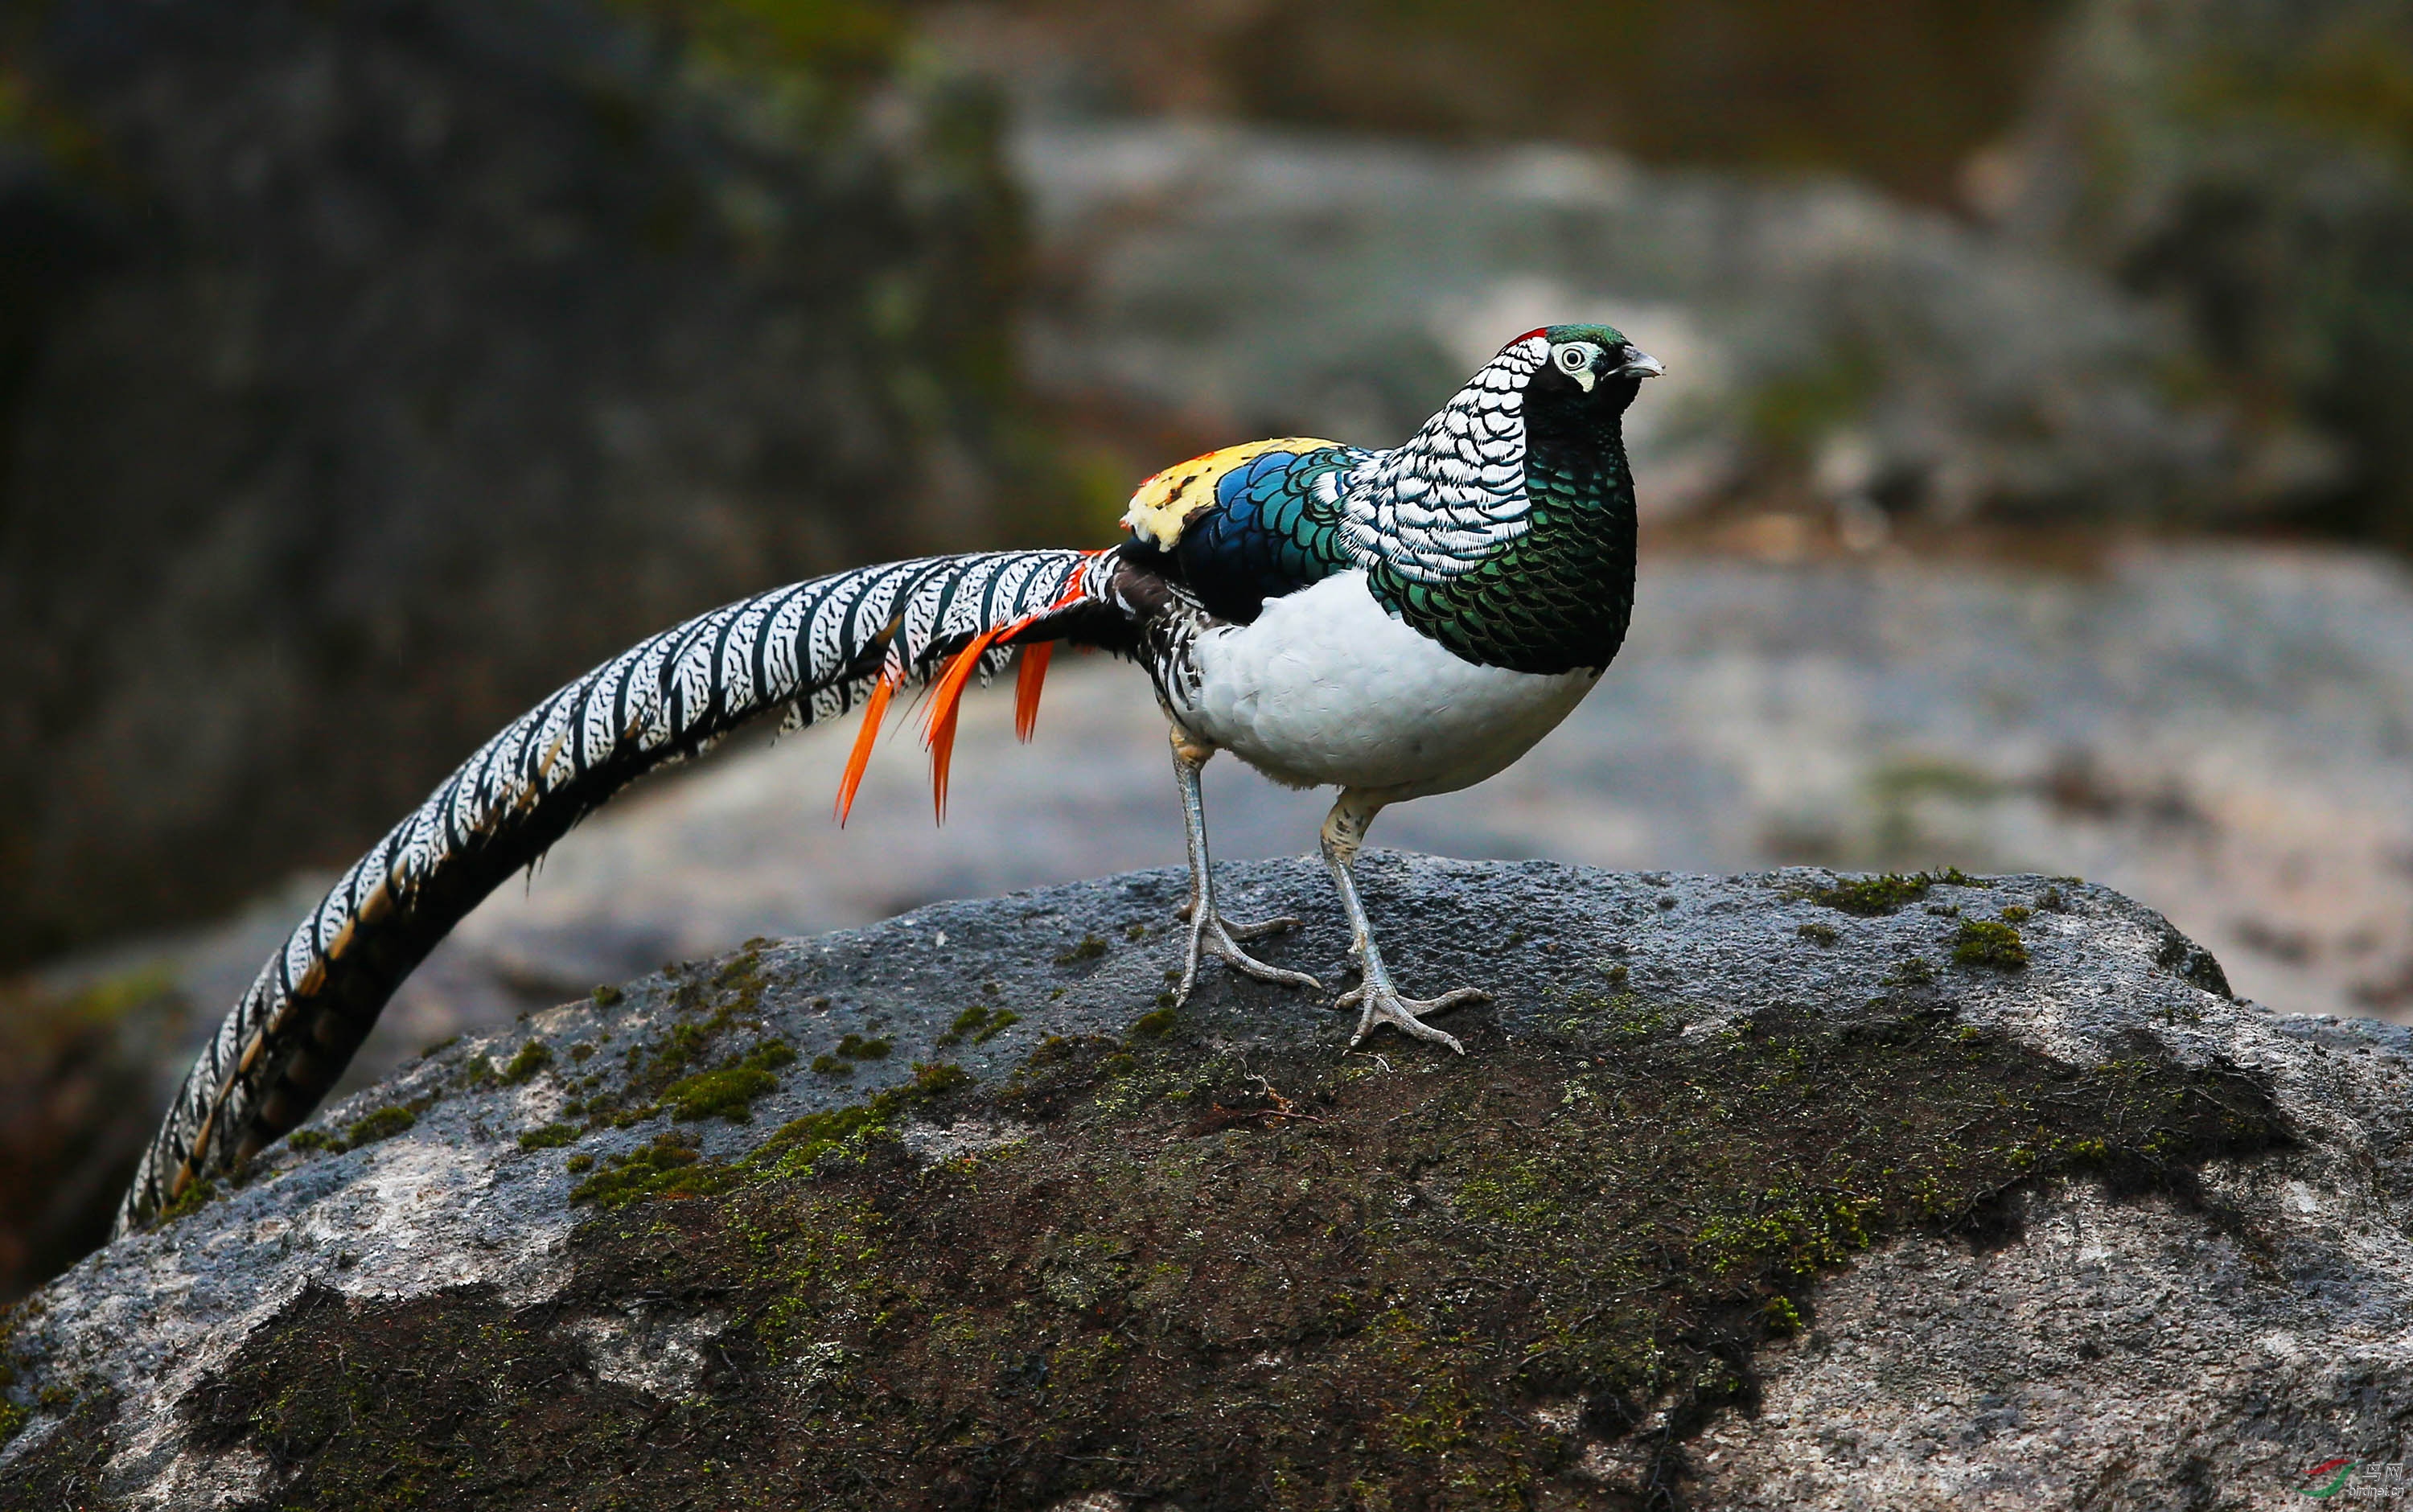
<point x="874" y="710"/>
<point x="1032" y="675"/>
<point x="1028" y="679"/>
<point x="946" y="696"/>
<point x="945" y="699"/>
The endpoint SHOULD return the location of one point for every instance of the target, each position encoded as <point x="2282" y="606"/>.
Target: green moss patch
<point x="970" y="1021"/>
<point x="1988" y="942"/>
<point x="521" y="1068"/>
<point x="981" y="1023"/>
<point x="13" y="1417"/>
<point x="551" y="1136"/>
<point x="380" y="1123"/>
<point x="1620" y="1018"/>
<point x="63" y="1469"/>
<point x="1292" y="1282"/>
<point x="685" y="1071"/>
<point x="1088" y="948"/>
<point x="730" y="1092"/>
<point x="672" y="1167"/>
<point x="665" y="1168"/>
<point x="198" y="1194"/>
<point x="375" y="1124"/>
<point x="1869" y="896"/>
<point x="1910" y="971"/>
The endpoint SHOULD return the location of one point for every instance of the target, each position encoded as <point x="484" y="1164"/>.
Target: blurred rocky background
<point x="2029" y="489"/>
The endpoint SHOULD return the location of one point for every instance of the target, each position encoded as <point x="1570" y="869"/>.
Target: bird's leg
<point x="1375" y="996"/>
<point x="1209" y="934"/>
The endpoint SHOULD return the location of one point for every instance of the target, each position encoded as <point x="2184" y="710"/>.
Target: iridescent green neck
<point x="1560" y="596"/>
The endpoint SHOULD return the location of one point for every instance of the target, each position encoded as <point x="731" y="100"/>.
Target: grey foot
<point x="1211" y="934"/>
<point x="1383" y="1004"/>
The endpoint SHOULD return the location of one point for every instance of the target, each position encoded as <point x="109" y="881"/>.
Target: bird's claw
<point x="1381" y="1003"/>
<point x="1188" y="911"/>
<point x="1263" y="927"/>
<point x="1213" y="935"/>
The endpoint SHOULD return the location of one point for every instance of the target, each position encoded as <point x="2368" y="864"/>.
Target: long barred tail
<point x="817" y="648"/>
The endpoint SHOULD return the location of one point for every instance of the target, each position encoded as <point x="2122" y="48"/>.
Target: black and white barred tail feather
<point x="816" y="648"/>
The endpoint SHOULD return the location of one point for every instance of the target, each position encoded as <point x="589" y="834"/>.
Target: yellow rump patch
<point x="1165" y="502"/>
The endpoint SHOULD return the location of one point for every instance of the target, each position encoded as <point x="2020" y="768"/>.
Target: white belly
<point x="1327" y="688"/>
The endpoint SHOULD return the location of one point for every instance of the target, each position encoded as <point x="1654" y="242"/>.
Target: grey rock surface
<point x="2191" y="1326"/>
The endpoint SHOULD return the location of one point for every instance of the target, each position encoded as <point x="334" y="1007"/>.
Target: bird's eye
<point x="1574" y="359"/>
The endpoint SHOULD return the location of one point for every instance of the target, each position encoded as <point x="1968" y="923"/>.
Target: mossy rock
<point x="1120" y="1255"/>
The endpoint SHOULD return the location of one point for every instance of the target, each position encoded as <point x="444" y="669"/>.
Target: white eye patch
<point x="1575" y="359"/>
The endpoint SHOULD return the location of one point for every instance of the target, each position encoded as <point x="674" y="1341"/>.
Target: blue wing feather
<point x="1272" y="531"/>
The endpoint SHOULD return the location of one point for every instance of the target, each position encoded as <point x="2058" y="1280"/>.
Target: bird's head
<point x="1591" y="362"/>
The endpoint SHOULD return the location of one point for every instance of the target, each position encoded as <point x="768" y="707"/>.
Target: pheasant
<point x="1391" y="623"/>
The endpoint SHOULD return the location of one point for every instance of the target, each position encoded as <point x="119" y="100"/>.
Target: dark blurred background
<point x="2031" y="487"/>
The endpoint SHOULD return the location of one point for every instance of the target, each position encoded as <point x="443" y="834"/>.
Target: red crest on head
<point x="1537" y="331"/>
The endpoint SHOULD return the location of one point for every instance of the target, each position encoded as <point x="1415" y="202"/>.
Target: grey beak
<point x="1641" y="364"/>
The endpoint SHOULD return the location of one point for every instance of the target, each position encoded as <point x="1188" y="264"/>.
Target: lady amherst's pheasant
<point x="1392" y="623"/>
